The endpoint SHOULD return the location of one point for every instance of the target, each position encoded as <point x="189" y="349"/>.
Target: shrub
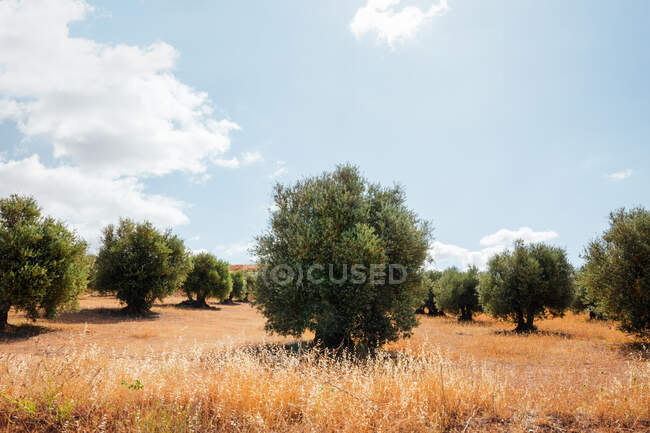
<point x="530" y="281"/>
<point x="324" y="227"/>
<point x="617" y="271"/>
<point x="456" y="292"/>
<point x="42" y="263"/>
<point x="208" y="278"/>
<point x="429" y="281"/>
<point x="238" y="285"/>
<point x="140" y="264"/>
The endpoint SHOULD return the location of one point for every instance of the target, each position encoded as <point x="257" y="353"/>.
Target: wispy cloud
<point x="236" y="249"/>
<point x="249" y="158"/>
<point x="620" y="175"/>
<point x="280" y="170"/>
<point x="391" y="25"/>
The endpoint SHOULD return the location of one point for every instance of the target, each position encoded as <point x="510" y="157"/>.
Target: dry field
<point x="216" y="370"/>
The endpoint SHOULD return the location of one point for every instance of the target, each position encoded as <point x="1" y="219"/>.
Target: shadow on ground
<point x="636" y="350"/>
<point x="538" y="332"/>
<point x="23" y="332"/>
<point x="103" y="315"/>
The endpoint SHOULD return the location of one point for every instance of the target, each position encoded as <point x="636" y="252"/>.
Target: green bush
<point x="530" y="281"/>
<point x="617" y="272"/>
<point x="140" y="264"/>
<point x="208" y="278"/>
<point x="456" y="292"/>
<point x="42" y="263"/>
<point x="328" y="224"/>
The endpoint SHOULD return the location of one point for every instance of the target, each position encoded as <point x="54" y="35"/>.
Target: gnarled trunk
<point x="200" y="301"/>
<point x="332" y="340"/>
<point x="465" y="314"/>
<point x="527" y="325"/>
<point x="4" y="317"/>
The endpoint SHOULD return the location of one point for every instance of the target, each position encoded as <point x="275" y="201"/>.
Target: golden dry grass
<point x="216" y="370"/>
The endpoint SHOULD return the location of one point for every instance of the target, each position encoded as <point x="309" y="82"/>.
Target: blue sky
<point x="501" y="119"/>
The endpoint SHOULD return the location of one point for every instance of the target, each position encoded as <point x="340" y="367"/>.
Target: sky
<point x="501" y="119"/>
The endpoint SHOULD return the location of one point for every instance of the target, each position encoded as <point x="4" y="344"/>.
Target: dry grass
<point x="216" y="370"/>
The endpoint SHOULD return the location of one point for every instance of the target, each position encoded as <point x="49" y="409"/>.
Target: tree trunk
<point x="331" y="341"/>
<point x="4" y="317"/>
<point x="527" y="325"/>
<point x="200" y="301"/>
<point x="530" y="317"/>
<point x="465" y="314"/>
<point x="521" y="325"/>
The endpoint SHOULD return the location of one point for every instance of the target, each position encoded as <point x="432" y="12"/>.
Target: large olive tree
<point x="140" y="264"/>
<point x="337" y="234"/>
<point x="617" y="272"/>
<point x="528" y="282"/>
<point x="43" y="265"/>
<point x="456" y="292"/>
<point x="208" y="278"/>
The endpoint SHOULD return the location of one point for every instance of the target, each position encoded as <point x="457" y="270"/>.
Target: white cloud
<point x="114" y="114"/>
<point x="87" y="202"/>
<point x="445" y="255"/>
<point x="280" y="170"/>
<point x="620" y="175"/>
<point x="507" y="237"/>
<point x="393" y="26"/>
<point x="237" y="249"/>
<point x="115" y="109"/>
<point x="249" y="158"/>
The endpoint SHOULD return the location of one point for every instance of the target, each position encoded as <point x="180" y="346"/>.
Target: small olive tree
<point x="617" y="272"/>
<point x="42" y="264"/>
<point x="429" y="281"/>
<point x="252" y="278"/>
<point x="528" y="282"/>
<point x="207" y="278"/>
<point x="140" y="264"/>
<point x="342" y="233"/>
<point x="456" y="292"/>
<point x="238" y="286"/>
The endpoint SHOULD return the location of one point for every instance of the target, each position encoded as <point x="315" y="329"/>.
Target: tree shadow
<point x="535" y="332"/>
<point x="104" y="315"/>
<point x="191" y="305"/>
<point x="22" y="332"/>
<point x="636" y="350"/>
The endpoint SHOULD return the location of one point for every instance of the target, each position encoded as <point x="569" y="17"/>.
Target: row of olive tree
<point x="140" y="264"/>
<point x="44" y="266"/>
<point x="533" y="281"/>
<point x="519" y="285"/>
<point x="339" y="219"/>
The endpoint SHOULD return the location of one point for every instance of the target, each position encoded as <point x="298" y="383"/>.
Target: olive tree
<point x="617" y="270"/>
<point x="238" y="286"/>
<point x="207" y="278"/>
<point x="360" y="252"/>
<point x="252" y="279"/>
<point x="456" y="292"/>
<point x="42" y="264"/>
<point x="140" y="264"/>
<point x="429" y="282"/>
<point x="528" y="282"/>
